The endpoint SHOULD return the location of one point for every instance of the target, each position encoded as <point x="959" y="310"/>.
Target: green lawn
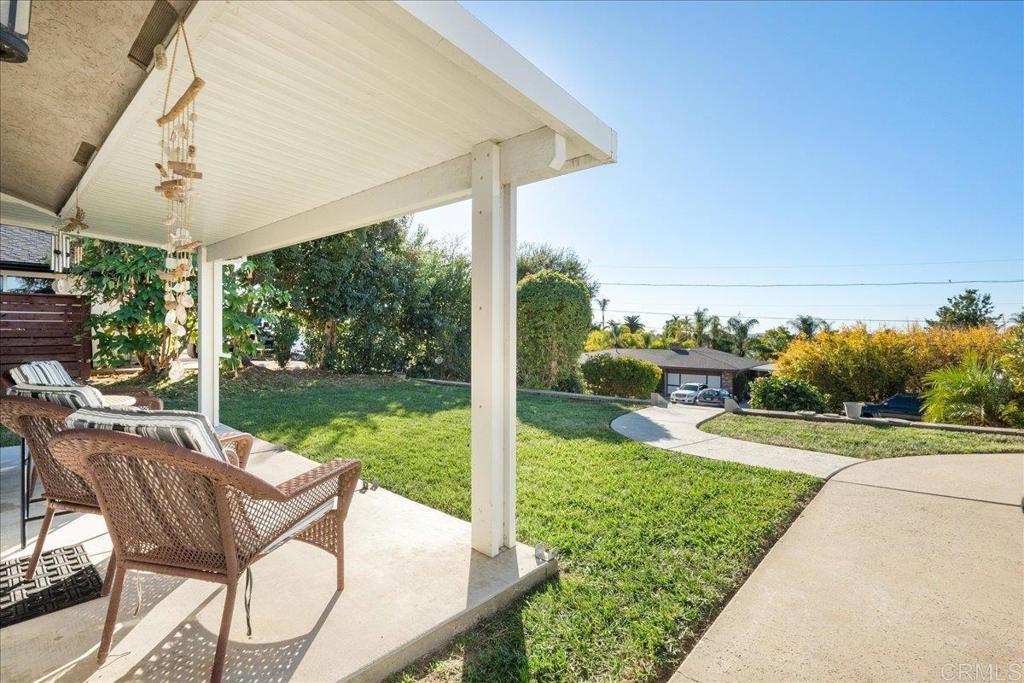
<point x="859" y="440"/>
<point x="652" y="544"/>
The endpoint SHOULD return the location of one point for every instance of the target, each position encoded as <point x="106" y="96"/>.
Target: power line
<point x="929" y="304"/>
<point x="783" y="317"/>
<point x="808" y="284"/>
<point x="812" y="265"/>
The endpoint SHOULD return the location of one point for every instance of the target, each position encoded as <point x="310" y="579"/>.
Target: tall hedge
<point x="553" y="321"/>
<point x="611" y="375"/>
<point x="857" y="365"/>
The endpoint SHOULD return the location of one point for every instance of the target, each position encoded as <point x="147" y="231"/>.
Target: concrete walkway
<point x="907" y="569"/>
<point x="675" y="428"/>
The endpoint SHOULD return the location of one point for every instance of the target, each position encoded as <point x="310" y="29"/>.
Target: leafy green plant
<point x="122" y="282"/>
<point x="535" y="258"/>
<point x="246" y="302"/>
<point x="553" y="322"/>
<point x="975" y="392"/>
<point x="855" y="364"/>
<point x="286" y="333"/>
<point x="780" y="393"/>
<point x="610" y="375"/>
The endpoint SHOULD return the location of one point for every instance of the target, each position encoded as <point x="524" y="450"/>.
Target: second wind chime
<point x="178" y="174"/>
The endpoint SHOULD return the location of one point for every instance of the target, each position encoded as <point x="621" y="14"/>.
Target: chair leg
<point x="225" y="632"/>
<point x="40" y="541"/>
<point x="112" y="606"/>
<point x="339" y="550"/>
<point x="108" y="579"/>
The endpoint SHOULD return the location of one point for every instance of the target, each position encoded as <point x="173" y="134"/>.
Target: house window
<point x="17" y="284"/>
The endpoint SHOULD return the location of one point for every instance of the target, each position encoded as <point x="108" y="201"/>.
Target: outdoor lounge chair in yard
<point x="37" y="421"/>
<point x="52" y="372"/>
<point x="174" y="511"/>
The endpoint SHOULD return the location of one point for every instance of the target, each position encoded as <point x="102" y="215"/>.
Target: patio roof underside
<point x="323" y="117"/>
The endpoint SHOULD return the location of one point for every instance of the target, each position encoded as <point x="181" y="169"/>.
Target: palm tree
<point x="673" y="326"/>
<point x="633" y="323"/>
<point x="974" y="393"/>
<point x="603" y="305"/>
<point x="808" y="325"/>
<point x="740" y="330"/>
<point x="718" y="338"/>
<point x="700" y="327"/>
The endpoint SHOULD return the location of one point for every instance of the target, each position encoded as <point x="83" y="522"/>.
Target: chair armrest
<point x="127" y="391"/>
<point x="241" y="444"/>
<point x="327" y="472"/>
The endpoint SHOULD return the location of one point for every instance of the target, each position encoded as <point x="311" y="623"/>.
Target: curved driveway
<point x="904" y="569"/>
<point x="675" y="428"/>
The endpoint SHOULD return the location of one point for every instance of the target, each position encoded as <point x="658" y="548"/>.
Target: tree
<point x="718" y="337"/>
<point x="633" y="323"/>
<point x="123" y="281"/>
<point x="553" y="322"/>
<point x="740" y="330"/>
<point x="856" y="365"/>
<point x="699" y="330"/>
<point x="603" y="305"/>
<point x="808" y="325"/>
<point x="247" y="301"/>
<point x="534" y="258"/>
<point x="965" y="310"/>
<point x="379" y="300"/>
<point x="771" y="343"/>
<point x="975" y="392"/>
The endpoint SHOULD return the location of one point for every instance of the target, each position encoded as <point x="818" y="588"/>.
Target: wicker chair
<point x="144" y="397"/>
<point x="174" y="511"/>
<point x="37" y="421"/>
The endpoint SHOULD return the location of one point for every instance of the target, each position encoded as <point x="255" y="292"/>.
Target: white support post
<point x="493" y="393"/>
<point x="211" y="333"/>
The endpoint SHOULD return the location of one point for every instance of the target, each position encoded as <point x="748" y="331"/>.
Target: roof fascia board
<point x="454" y="32"/>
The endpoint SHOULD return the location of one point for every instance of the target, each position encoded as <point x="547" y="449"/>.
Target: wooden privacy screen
<point x="45" y="327"/>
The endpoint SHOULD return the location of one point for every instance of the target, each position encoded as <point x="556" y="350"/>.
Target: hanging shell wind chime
<point x="178" y="173"/>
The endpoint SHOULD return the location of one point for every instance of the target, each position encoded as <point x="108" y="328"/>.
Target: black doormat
<point x="63" y="577"/>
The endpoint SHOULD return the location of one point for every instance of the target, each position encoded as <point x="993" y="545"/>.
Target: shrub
<point x="856" y="365"/>
<point x="553" y="321"/>
<point x="975" y="392"/>
<point x="574" y="383"/>
<point x="286" y="332"/>
<point x="610" y="375"/>
<point x="781" y="393"/>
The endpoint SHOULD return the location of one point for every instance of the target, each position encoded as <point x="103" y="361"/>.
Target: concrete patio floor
<point x="412" y="582"/>
<point x="906" y="569"/>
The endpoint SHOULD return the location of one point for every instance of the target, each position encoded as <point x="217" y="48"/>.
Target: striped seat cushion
<point x="73" y="396"/>
<point x="43" y="372"/>
<point x="180" y="427"/>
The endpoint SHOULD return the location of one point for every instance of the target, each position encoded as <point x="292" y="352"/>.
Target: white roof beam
<point x="525" y="159"/>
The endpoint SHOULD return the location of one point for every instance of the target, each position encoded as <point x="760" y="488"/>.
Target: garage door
<point x="674" y="380"/>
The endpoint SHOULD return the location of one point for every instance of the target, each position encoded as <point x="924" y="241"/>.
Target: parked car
<point x="712" y="397"/>
<point x="687" y="393"/>
<point x="903" y="406"/>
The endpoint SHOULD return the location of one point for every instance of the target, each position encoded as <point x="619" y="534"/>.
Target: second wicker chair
<point x="173" y="511"/>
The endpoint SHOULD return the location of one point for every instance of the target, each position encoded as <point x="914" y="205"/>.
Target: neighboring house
<point x="25" y="257"/>
<point x="704" y="366"/>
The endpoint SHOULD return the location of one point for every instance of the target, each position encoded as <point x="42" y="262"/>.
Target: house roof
<point x="24" y="246"/>
<point x="697" y="359"/>
<point x="322" y="117"/>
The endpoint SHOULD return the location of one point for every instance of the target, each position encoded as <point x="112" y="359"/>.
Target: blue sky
<point x="783" y="143"/>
